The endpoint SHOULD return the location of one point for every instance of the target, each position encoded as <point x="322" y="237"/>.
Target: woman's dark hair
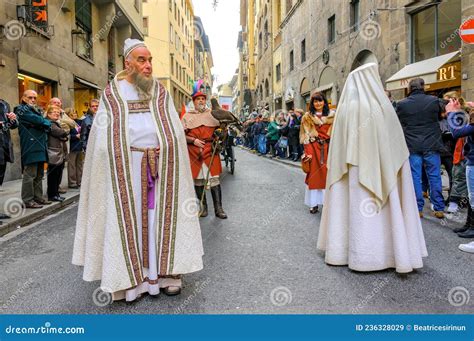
<point x="319" y="96"/>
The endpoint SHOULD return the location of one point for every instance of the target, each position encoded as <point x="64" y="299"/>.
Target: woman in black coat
<point x="294" y="124"/>
<point x="7" y="121"/>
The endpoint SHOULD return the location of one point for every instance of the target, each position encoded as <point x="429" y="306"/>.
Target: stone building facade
<point x="318" y="43"/>
<point x="66" y="49"/>
<point x="263" y="37"/>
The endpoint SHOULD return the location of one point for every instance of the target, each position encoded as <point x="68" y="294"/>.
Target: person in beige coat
<point x="57" y="152"/>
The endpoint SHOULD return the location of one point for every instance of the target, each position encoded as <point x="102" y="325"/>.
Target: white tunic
<point x="105" y="243"/>
<point x="142" y="134"/>
<point x="313" y="197"/>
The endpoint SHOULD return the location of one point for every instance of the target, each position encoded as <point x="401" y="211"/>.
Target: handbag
<point x="306" y="161"/>
<point x="55" y="156"/>
<point x="283" y="142"/>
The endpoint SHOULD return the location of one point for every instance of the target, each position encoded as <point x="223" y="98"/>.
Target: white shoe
<point x="469" y="247"/>
<point x="453" y="207"/>
<point x="432" y="207"/>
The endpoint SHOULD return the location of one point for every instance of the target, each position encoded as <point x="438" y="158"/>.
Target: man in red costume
<point x="199" y="125"/>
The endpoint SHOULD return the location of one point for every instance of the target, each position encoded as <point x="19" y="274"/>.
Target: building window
<point x="145" y="26"/>
<point x="292" y="60"/>
<point x="303" y="51"/>
<point x="332" y="29"/>
<point x="83" y="12"/>
<point x="278" y="72"/>
<point x="265" y="32"/>
<point x="172" y="65"/>
<point x="354" y="15"/>
<point x="432" y="30"/>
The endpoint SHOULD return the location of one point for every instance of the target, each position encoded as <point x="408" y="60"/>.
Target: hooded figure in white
<point x="370" y="218"/>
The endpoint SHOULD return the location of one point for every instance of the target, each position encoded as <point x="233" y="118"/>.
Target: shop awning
<point x="86" y="83"/>
<point x="324" y="87"/>
<point x="426" y="69"/>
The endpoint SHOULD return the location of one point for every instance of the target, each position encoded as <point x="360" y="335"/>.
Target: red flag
<point x="183" y="111"/>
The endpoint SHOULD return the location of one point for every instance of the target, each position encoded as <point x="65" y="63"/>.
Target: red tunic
<point x="197" y="155"/>
<point x="316" y="178"/>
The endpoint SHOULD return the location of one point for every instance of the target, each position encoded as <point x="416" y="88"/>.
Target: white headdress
<point x="367" y="133"/>
<point x="130" y="45"/>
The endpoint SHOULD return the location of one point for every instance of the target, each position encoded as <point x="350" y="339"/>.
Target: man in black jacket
<point x="419" y="115"/>
<point x="33" y="129"/>
<point x="7" y="121"/>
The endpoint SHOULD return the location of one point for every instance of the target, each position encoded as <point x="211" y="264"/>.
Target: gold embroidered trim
<point x="138" y="106"/>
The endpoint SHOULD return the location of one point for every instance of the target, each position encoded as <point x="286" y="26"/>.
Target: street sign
<point x="466" y="31"/>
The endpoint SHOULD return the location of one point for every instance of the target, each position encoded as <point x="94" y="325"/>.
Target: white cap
<point x="131" y="44"/>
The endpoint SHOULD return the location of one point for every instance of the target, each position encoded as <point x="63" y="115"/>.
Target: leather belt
<point x="149" y="175"/>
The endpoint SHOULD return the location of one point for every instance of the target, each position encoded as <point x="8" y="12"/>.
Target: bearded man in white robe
<point x="136" y="229"/>
<point x="370" y="218"/>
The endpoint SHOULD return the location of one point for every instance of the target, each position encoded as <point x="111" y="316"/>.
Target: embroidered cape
<point x="106" y="239"/>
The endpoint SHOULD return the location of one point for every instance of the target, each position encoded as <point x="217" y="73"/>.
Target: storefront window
<point x="42" y="88"/>
<point x="82" y="97"/>
<point x="434" y="30"/>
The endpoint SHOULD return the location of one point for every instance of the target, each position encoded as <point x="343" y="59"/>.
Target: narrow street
<point x="263" y="259"/>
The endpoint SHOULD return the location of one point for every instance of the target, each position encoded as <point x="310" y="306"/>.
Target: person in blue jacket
<point x="461" y="128"/>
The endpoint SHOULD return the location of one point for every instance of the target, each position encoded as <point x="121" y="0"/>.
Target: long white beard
<point x="143" y="86"/>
